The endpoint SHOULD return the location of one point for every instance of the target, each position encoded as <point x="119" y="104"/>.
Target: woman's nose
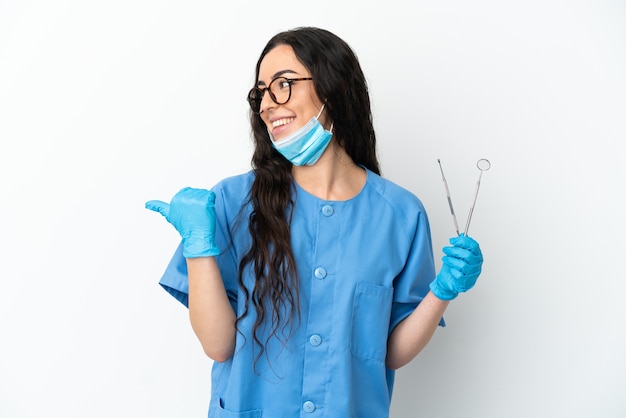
<point x="266" y="101"/>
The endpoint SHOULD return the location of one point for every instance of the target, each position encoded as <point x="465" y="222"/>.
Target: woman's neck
<point x="334" y="177"/>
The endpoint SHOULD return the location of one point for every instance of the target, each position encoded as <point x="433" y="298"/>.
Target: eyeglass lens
<point x="279" y="90"/>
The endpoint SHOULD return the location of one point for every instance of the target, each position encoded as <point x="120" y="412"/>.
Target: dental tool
<point x="483" y="165"/>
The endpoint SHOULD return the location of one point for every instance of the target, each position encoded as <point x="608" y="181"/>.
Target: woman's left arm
<point x="462" y="264"/>
<point x="411" y="335"/>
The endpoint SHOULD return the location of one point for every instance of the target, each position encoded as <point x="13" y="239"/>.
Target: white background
<point x="105" y="105"/>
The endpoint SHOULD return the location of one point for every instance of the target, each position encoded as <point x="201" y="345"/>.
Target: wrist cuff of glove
<point x="442" y="293"/>
<point x="199" y="245"/>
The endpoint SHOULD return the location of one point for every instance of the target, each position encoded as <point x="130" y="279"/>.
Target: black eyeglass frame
<point x="255" y="102"/>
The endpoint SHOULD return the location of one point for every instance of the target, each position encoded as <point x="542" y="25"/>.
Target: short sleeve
<point x="174" y="279"/>
<point x="412" y="284"/>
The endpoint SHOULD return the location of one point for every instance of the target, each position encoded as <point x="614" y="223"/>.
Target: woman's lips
<point x="280" y="125"/>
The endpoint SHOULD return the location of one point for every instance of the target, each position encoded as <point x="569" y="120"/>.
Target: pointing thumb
<point x="159" y="206"/>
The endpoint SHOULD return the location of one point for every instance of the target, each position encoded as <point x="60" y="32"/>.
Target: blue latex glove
<point x="192" y="212"/>
<point x="462" y="265"/>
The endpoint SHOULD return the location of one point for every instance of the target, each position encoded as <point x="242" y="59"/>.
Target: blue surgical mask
<point x="306" y="145"/>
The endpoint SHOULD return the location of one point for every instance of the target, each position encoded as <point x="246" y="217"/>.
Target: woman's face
<point x="302" y="105"/>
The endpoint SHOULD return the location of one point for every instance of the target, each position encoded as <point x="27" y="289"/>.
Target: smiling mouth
<point x="281" y="122"/>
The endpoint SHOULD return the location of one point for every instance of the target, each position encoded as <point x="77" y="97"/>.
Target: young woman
<point x="310" y="278"/>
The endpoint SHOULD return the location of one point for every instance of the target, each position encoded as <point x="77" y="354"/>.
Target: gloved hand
<point x="192" y="212"/>
<point x="462" y="265"/>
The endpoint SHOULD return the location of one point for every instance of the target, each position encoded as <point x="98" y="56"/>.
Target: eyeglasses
<point x="279" y="90"/>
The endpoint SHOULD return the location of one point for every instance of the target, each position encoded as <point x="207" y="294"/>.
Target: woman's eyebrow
<point x="276" y="75"/>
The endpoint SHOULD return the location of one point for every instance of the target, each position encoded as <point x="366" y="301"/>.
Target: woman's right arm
<point x="192" y="213"/>
<point x="210" y="312"/>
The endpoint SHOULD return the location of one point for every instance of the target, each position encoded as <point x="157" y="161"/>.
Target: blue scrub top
<point x="364" y="265"/>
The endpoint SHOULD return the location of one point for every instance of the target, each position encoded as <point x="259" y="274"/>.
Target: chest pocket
<point x="222" y="413"/>
<point x="371" y="312"/>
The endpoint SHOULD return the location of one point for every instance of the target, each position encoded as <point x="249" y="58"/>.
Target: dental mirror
<point x="483" y="165"/>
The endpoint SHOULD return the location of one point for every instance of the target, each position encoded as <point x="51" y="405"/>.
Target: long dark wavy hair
<point x="339" y="81"/>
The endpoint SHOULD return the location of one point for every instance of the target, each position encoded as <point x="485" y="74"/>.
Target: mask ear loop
<point x="321" y="110"/>
<point x="332" y="124"/>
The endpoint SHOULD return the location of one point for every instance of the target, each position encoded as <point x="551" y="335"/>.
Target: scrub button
<point x="315" y="340"/>
<point x="327" y="210"/>
<point x="320" y="272"/>
<point x="308" y="406"/>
